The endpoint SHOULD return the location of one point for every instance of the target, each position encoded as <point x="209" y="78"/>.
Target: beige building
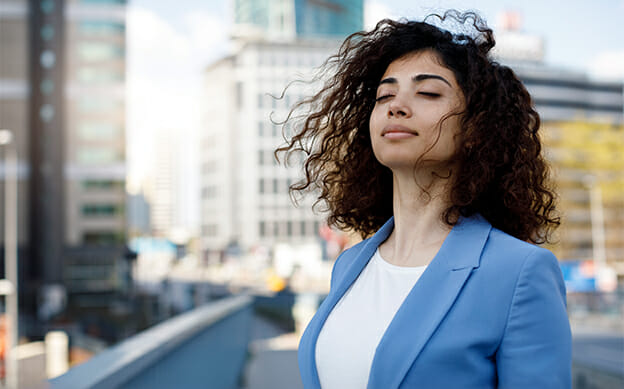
<point x="244" y="192"/>
<point x="14" y="102"/>
<point x="588" y="167"/>
<point x="95" y="122"/>
<point x="62" y="81"/>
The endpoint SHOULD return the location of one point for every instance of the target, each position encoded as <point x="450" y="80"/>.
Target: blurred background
<point x="146" y="227"/>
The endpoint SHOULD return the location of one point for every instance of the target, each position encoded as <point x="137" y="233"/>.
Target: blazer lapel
<point x="428" y="302"/>
<point x="358" y="261"/>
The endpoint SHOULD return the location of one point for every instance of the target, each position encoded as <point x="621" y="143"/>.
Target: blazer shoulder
<point x="504" y="257"/>
<point x="344" y="259"/>
<point x="513" y="248"/>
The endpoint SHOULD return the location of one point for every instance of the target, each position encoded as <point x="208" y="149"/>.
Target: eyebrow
<point x="417" y="78"/>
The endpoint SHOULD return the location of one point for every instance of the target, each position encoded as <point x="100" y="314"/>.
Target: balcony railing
<point x="202" y="348"/>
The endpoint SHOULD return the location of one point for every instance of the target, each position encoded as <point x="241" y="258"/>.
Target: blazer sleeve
<point x="536" y="348"/>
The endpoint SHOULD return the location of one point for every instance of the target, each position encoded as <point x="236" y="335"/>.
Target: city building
<point x="161" y="187"/>
<point x="289" y="19"/>
<point x="95" y="122"/>
<point x="244" y="192"/>
<point x="14" y="102"/>
<point x="558" y="94"/>
<point x="583" y="133"/>
<point x="62" y="92"/>
<point x="588" y="165"/>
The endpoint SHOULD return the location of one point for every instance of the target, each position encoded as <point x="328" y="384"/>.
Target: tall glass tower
<point x="338" y="18"/>
<point x="296" y="19"/>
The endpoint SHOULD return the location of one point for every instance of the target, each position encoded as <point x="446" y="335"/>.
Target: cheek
<point x="373" y="120"/>
<point x="374" y="130"/>
<point x="451" y="134"/>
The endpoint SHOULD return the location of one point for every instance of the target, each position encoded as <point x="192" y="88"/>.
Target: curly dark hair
<point x="501" y="171"/>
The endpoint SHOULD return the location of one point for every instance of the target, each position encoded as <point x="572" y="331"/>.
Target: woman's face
<point x="414" y="95"/>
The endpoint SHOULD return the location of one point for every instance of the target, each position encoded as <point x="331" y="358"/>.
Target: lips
<point x="396" y="130"/>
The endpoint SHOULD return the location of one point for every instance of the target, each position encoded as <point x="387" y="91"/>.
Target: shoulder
<point x="504" y="249"/>
<point x="511" y="266"/>
<point x="345" y="258"/>
<point x="536" y="317"/>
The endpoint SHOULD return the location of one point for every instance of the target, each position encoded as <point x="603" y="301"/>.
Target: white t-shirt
<point x="347" y="342"/>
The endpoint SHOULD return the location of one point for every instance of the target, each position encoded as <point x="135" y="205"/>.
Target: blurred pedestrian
<point x="429" y="148"/>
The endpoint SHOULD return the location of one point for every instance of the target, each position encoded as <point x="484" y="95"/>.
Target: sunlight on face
<point x="410" y="122"/>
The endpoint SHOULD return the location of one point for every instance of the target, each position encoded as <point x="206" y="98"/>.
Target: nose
<point x="398" y="108"/>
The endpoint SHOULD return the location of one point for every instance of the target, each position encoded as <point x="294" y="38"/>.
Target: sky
<point x="169" y="43"/>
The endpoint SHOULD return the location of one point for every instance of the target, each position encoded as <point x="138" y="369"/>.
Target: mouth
<point x="396" y="131"/>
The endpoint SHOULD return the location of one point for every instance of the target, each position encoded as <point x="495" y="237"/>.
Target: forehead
<point x="418" y="63"/>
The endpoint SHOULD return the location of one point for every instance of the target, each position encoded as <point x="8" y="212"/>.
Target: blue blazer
<point x="488" y="312"/>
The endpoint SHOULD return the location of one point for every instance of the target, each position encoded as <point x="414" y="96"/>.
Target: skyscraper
<point x="582" y="128"/>
<point x="64" y="65"/>
<point x="297" y="19"/>
<point x="244" y="194"/>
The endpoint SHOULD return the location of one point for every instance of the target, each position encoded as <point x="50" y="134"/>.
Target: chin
<point x="398" y="163"/>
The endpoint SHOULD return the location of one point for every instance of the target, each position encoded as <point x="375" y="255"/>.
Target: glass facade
<point x="254" y="12"/>
<point x="101" y="28"/>
<point x="312" y="18"/>
<point x="103" y="1"/>
<point x="328" y="18"/>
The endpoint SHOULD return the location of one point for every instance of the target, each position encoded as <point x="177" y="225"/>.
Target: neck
<point x="418" y="228"/>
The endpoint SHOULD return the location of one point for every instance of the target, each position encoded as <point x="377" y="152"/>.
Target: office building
<point x="70" y="130"/>
<point x="296" y="19"/>
<point x="244" y="192"/>
<point x="583" y="134"/>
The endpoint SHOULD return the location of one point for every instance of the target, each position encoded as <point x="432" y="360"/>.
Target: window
<point x="209" y="191"/>
<point x="95" y="28"/>
<point x="239" y="95"/>
<point x="93" y="75"/>
<point x="98" y="131"/>
<point x="95" y="105"/>
<point x="95" y="155"/>
<point x="261" y="185"/>
<point x="103" y="1"/>
<point x="262" y="229"/>
<point x="101" y="209"/>
<point x="260" y="157"/>
<point x="209" y="167"/>
<point x="260" y="129"/>
<point x="103" y="237"/>
<point x="210" y="230"/>
<point x="260" y="100"/>
<point x="101" y="185"/>
<point x="99" y="51"/>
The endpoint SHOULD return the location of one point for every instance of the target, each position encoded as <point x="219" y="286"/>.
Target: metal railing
<point x="202" y="348"/>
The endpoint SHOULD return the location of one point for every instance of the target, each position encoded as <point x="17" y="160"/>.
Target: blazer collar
<point x="428" y="302"/>
<point x="423" y="308"/>
<point x="356" y="262"/>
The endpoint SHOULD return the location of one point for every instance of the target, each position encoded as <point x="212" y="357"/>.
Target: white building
<point x="244" y="192"/>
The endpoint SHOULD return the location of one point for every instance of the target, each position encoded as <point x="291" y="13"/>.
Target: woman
<point x="429" y="149"/>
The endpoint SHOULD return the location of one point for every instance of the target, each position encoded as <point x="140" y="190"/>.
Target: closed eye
<point x="429" y="94"/>
<point x="381" y="98"/>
